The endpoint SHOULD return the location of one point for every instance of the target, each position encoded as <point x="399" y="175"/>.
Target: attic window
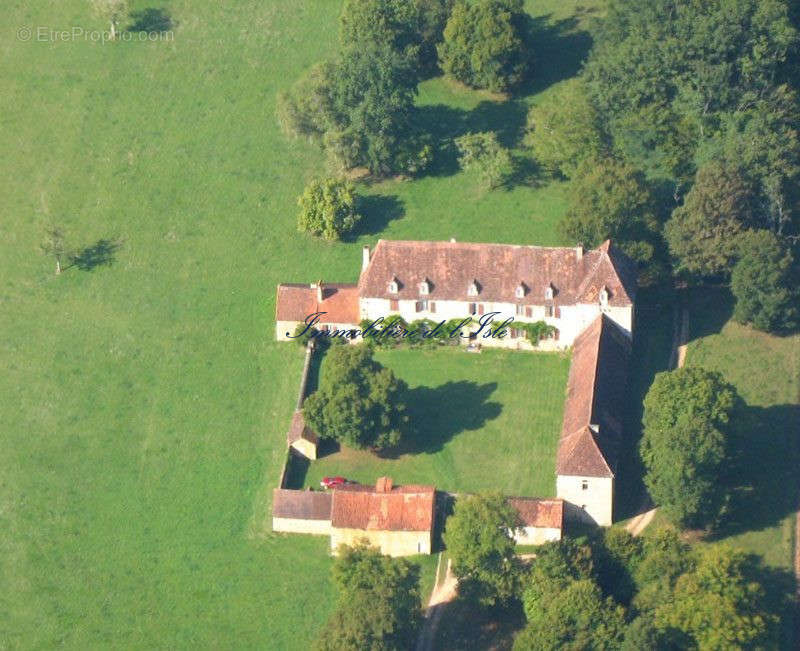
<point x="604" y="297"/>
<point x="548" y="293"/>
<point x="520" y="291"/>
<point x="472" y="290"/>
<point x="393" y="286"/>
<point x="425" y="287"/>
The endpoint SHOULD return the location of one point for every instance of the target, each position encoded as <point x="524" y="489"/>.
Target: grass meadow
<point x="487" y="421"/>
<point x="144" y="400"/>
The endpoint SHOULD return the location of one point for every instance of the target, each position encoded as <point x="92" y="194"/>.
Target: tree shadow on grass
<point x="559" y="50"/>
<point x="438" y="414"/>
<point x="445" y="123"/>
<point x="710" y="308"/>
<point x="151" y="19"/>
<point x="762" y="474"/>
<point x="376" y="212"/>
<point x="99" y="254"/>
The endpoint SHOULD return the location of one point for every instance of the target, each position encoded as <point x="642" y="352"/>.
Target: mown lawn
<point x="487" y="421"/>
<point x="144" y="400"/>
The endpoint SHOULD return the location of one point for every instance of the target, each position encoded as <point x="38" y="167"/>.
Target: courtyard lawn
<point x="487" y="421"/>
<point x="145" y="401"/>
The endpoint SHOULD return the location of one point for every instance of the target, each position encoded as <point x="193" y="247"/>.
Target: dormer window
<point x="473" y="288"/>
<point x="425" y="287"/>
<point x="548" y="292"/>
<point x="604" y="296"/>
<point x="393" y="286"/>
<point x="520" y="291"/>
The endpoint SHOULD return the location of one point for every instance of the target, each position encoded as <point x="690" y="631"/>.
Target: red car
<point x="332" y="482"/>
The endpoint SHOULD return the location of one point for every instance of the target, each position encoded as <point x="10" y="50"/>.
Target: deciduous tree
<point x="112" y="11"/>
<point x="703" y="233"/>
<point x="483" y="44"/>
<point x="479" y="539"/>
<point x="684" y="445"/>
<point x="764" y="282"/>
<point x="483" y="152"/>
<point x="328" y="209"/>
<point x="378" y="605"/>
<point x="360" y="403"/>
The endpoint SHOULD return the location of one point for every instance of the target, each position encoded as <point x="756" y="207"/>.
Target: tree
<point x="703" y="233"/>
<point x="378" y="605"/>
<point x="662" y="73"/>
<point x="564" y="129"/>
<point x="563" y="604"/>
<point x="54" y="245"/>
<point x="360" y="108"/>
<point x="479" y="539"/>
<point x="684" y="445"/>
<point x="328" y="209"/>
<point x="482" y="152"/>
<point x="610" y="199"/>
<point x="718" y="604"/>
<point x="360" y="403"/>
<point x="764" y="283"/>
<point x="664" y="558"/>
<point x="483" y="44"/>
<point x="576" y="617"/>
<point x="412" y="27"/>
<point x="112" y="11"/>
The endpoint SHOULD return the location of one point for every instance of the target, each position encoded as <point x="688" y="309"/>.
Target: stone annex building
<point x="588" y="297"/>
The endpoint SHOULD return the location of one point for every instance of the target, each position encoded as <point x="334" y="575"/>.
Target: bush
<point x="482" y="152"/>
<point x="483" y="44"/>
<point x="764" y="283"/>
<point x="328" y="209"/>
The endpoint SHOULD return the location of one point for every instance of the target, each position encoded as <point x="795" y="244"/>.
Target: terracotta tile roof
<point x="298" y="429"/>
<point x="498" y="270"/>
<point x="591" y="432"/>
<point x="301" y="505"/>
<point x="295" y="302"/>
<point x="535" y="512"/>
<point x="402" y="508"/>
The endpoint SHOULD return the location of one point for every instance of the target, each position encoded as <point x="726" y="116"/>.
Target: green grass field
<point x="144" y="401"/>
<point x="484" y="422"/>
<point x="766" y="372"/>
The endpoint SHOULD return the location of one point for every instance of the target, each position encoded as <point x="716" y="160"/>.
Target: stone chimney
<point x="364" y="257"/>
<point x="319" y="291"/>
<point x="579" y="252"/>
<point x="383" y="485"/>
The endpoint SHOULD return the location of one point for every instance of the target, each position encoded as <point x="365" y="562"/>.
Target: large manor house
<point x="586" y="295"/>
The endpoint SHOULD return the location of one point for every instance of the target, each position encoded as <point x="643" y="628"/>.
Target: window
<point x="585" y="485"/>
<point x="472" y="308"/>
<point x="548" y="310"/>
<point x="472" y="290"/>
<point x="425" y="287"/>
<point x="528" y="311"/>
<point x="548" y="293"/>
<point x="394" y="305"/>
<point x="520" y="291"/>
<point x="520" y="310"/>
<point x="604" y="297"/>
<point x="432" y="307"/>
<point x="480" y="308"/>
<point x="514" y="333"/>
<point x="422" y="306"/>
<point x="393" y="286"/>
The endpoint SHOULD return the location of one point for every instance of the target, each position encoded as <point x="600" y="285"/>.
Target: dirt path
<point x="637" y="524"/>
<point x="443" y="592"/>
